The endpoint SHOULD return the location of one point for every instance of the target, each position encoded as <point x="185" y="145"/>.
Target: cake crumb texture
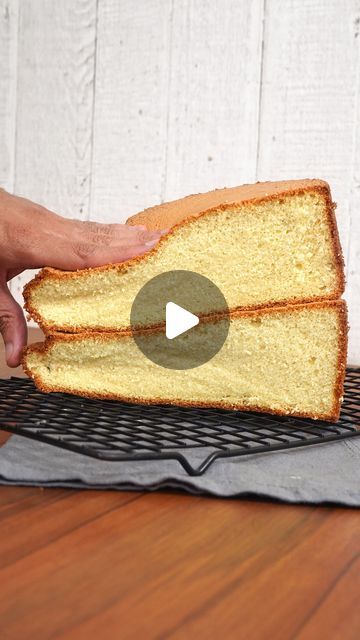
<point x="285" y="360"/>
<point x="264" y="244"/>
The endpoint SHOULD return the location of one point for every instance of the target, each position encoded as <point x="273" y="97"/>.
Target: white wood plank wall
<point x="109" y="106"/>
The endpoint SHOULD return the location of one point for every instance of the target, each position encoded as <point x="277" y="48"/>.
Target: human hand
<point x="33" y="237"/>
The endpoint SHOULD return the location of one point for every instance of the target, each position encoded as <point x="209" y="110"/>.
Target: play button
<point x="176" y="305"/>
<point x="178" y="320"/>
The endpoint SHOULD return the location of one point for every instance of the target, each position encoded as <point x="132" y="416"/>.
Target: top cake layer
<point x="262" y="245"/>
<point x="171" y="213"/>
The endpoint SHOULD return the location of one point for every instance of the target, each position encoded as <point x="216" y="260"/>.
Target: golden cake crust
<point x="333" y="416"/>
<point x="172" y="213"/>
<point x="179" y="213"/>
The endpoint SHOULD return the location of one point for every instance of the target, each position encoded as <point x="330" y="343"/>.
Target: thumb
<point x="12" y="326"/>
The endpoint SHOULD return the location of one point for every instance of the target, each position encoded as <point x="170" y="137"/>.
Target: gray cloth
<point x="313" y="474"/>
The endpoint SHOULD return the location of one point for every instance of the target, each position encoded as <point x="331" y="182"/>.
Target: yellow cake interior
<point x="256" y="253"/>
<point x="283" y="360"/>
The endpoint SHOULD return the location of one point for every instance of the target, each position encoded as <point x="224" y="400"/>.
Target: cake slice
<point x="263" y="244"/>
<point x="283" y="360"/>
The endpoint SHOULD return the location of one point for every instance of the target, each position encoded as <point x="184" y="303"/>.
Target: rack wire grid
<point x="117" y="431"/>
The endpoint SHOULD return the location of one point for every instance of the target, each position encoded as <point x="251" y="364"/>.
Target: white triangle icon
<point x="178" y="320"/>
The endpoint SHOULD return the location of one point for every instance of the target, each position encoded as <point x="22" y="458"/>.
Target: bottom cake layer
<point x="285" y="360"/>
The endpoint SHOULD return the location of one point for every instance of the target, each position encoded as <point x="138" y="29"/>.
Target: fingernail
<point x="151" y="243"/>
<point x="164" y="231"/>
<point x="141" y="227"/>
<point x="9" y="348"/>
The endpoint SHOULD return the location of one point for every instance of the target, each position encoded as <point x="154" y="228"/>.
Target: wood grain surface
<point x="54" y="110"/>
<point x="131" y="105"/>
<point x="310" y="114"/>
<point x="103" y="564"/>
<point x="8" y="82"/>
<point x="214" y="93"/>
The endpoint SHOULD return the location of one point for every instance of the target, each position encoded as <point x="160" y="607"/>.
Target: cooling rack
<point x="116" y="431"/>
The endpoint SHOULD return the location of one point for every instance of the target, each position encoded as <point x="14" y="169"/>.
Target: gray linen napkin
<point x="313" y="474"/>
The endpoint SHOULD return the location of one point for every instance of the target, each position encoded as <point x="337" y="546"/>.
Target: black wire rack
<point x="116" y="431"/>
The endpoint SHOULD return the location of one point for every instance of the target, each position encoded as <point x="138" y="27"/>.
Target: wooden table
<point x="109" y="565"/>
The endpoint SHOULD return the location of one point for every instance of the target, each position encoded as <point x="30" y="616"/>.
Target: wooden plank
<point x="26" y="502"/>
<point x="61" y="512"/>
<point x="337" y="616"/>
<point x="11" y="495"/>
<point x="286" y="583"/>
<point x="56" y="54"/>
<point x="130" y="106"/>
<point x="8" y="77"/>
<point x="175" y="566"/>
<point x="308" y="95"/>
<point x="308" y="100"/>
<point x="214" y="87"/>
<point x="353" y="255"/>
<point x="8" y="84"/>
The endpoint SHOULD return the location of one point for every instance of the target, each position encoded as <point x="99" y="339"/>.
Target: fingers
<point x="34" y="237"/>
<point x="12" y="327"/>
<point x="115" y="255"/>
<point x="90" y="244"/>
<point x="37" y="238"/>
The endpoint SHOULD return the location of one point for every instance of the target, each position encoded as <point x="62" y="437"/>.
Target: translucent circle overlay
<point x="193" y="292"/>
